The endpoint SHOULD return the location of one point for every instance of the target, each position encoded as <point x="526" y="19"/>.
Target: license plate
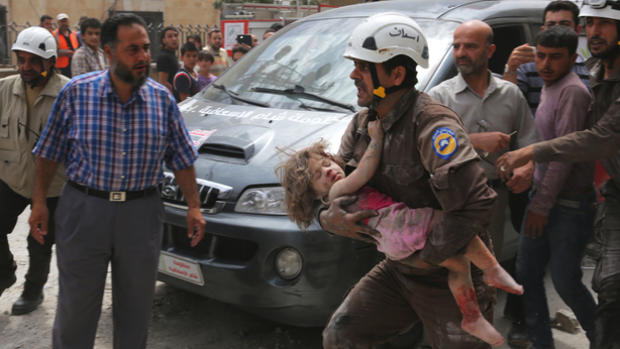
<point x="180" y="268"/>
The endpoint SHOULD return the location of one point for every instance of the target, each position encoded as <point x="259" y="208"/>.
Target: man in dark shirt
<point x="167" y="62"/>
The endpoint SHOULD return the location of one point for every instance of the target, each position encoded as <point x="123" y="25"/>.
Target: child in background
<point x="205" y="59"/>
<point x="239" y="50"/>
<point x="185" y="83"/>
<point x="311" y="177"/>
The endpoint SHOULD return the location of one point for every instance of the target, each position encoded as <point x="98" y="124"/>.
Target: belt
<point x="568" y="203"/>
<point x="114" y="196"/>
<point x="576" y="193"/>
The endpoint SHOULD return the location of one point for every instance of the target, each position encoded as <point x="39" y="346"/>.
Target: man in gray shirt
<point x="494" y="112"/>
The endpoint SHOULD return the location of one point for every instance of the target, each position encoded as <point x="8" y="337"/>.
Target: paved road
<point x="186" y="321"/>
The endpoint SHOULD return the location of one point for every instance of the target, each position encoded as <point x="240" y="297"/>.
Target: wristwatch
<point x="508" y="71"/>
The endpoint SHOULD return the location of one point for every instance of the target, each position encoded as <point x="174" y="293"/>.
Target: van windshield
<point x="308" y="56"/>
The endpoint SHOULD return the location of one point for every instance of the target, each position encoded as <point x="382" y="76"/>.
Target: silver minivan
<point x="288" y="92"/>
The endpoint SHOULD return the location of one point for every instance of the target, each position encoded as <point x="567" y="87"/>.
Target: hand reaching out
<point x="520" y="55"/>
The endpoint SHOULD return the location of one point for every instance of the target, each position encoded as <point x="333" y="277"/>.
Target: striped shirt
<point x="531" y="83"/>
<point x="85" y="60"/>
<point x="220" y="60"/>
<point x="109" y="145"/>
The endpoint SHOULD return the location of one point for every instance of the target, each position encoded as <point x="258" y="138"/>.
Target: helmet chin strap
<point x="378" y="92"/>
<point x="42" y="77"/>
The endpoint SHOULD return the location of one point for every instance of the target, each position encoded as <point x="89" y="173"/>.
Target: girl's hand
<point x="375" y="131"/>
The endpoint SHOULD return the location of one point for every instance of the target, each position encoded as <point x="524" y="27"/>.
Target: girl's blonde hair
<point x="300" y="199"/>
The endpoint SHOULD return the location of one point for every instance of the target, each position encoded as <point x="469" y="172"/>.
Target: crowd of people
<point x="434" y="174"/>
<point x="80" y="52"/>
<point x="198" y="66"/>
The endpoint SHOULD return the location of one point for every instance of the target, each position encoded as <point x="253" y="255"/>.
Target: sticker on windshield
<point x="199" y="137"/>
<point x="444" y="142"/>
<point x="188" y="106"/>
<point x="297" y="116"/>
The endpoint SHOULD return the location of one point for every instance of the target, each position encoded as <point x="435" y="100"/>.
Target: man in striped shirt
<point x="521" y="68"/>
<point x="112" y="130"/>
<point x="220" y="56"/>
<point x="89" y="57"/>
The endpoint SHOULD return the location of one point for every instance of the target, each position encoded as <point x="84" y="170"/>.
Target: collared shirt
<point x="109" y="145"/>
<point x="20" y="128"/>
<point x="427" y="161"/>
<point x="85" y="60"/>
<point x="531" y="83"/>
<point x="602" y="139"/>
<point x="220" y="60"/>
<point x="563" y="109"/>
<point x="502" y="108"/>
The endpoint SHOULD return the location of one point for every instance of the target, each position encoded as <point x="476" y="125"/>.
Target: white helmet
<point x="601" y="8"/>
<point x="386" y="35"/>
<point x="36" y="40"/>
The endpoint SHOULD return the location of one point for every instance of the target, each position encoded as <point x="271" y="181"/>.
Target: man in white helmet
<point x="600" y="141"/>
<point x="25" y="103"/>
<point x="427" y="160"/>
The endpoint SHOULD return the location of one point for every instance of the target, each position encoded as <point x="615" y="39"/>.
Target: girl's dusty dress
<point x="403" y="230"/>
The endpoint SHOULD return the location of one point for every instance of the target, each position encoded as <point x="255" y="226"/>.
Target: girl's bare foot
<point x="473" y="321"/>
<point x="497" y="277"/>
<point x="481" y="328"/>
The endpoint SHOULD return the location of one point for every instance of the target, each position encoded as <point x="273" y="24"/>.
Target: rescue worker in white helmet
<point x="600" y="141"/>
<point x="25" y="103"/>
<point x="427" y="161"/>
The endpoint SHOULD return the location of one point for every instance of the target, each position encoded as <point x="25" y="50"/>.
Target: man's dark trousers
<point x="11" y="206"/>
<point x="606" y="279"/>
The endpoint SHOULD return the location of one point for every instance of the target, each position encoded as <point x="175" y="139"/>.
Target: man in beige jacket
<point x="25" y="103"/>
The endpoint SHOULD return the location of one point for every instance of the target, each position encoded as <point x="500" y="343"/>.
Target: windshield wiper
<point x="301" y="91"/>
<point x="311" y="107"/>
<point x="236" y="96"/>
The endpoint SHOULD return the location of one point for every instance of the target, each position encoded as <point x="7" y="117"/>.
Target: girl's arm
<point x="367" y="165"/>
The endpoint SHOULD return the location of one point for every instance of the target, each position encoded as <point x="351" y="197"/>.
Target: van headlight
<point x="288" y="263"/>
<point x="265" y="200"/>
